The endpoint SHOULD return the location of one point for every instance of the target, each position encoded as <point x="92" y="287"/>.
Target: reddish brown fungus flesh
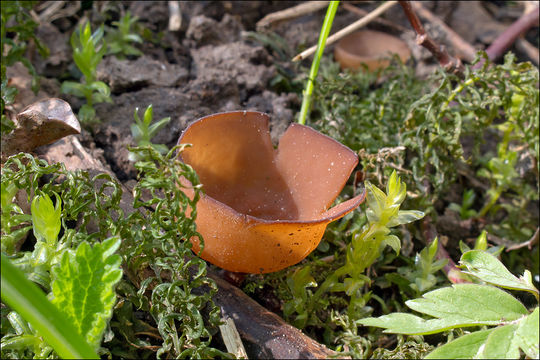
<point x="257" y="196"/>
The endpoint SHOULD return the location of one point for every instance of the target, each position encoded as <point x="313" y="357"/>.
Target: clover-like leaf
<point x="462" y="305"/>
<point x="404" y="323"/>
<point x="472" y="303"/>
<point x="83" y="287"/>
<point x="489" y="269"/>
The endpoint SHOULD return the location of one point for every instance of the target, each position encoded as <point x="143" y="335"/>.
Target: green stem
<point x="327" y="25"/>
<point x="31" y="303"/>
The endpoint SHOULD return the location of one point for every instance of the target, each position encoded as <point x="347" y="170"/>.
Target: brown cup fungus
<point x="264" y="209"/>
<point x="372" y="48"/>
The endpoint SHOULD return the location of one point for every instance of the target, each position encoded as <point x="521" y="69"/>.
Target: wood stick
<point x="447" y="62"/>
<point x="347" y="30"/>
<point x="290" y="13"/>
<point x="529" y="49"/>
<point x="349" y="7"/>
<point x="467" y="51"/>
<point x="175" y="17"/>
<point x="509" y="36"/>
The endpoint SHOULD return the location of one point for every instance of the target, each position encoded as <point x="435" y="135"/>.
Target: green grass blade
<point x="327" y="25"/>
<point x="30" y="302"/>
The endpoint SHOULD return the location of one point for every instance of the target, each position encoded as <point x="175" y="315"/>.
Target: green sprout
<point x="119" y="39"/>
<point x="88" y="51"/>
<point x="143" y="131"/>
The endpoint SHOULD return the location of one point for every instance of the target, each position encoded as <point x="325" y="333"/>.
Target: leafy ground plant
<point x="143" y="131"/>
<point x="119" y="38"/>
<point x="88" y="51"/>
<point x="164" y="279"/>
<point x="473" y="305"/>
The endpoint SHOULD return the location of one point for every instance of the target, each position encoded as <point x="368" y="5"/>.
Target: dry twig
<point x="175" y="18"/>
<point x="295" y="11"/>
<point x="362" y="12"/>
<point x="466" y="50"/>
<point x="349" y="29"/>
<point x="447" y="62"/>
<point x="529" y="243"/>
<point x="509" y="36"/>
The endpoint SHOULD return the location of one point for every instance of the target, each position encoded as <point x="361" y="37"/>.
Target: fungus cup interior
<point x="371" y="48"/>
<point x="263" y="209"/>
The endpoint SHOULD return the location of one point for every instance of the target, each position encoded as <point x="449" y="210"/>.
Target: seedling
<point x="119" y="40"/>
<point x="88" y="51"/>
<point x="464" y="210"/>
<point x="143" y="131"/>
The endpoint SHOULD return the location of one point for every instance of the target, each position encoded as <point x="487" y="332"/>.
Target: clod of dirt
<point x="129" y="75"/>
<point x="56" y="64"/>
<point x="203" y="30"/>
<point x="231" y="70"/>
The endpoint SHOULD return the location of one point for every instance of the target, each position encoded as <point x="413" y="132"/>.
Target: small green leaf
<point x="148" y="115"/>
<point x="481" y="241"/>
<point x="501" y="344"/>
<point x="100" y="87"/>
<point x="392" y="241"/>
<point x="527" y="337"/>
<point x="46" y="218"/>
<point x="465" y="347"/>
<point x="470" y="303"/>
<point x="83" y="287"/>
<point x="404" y="323"/>
<point x="488" y="268"/>
<point x="405" y="217"/>
<point x="73" y="88"/>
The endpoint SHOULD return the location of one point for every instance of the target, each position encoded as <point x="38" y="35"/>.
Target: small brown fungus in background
<point x="264" y="209"/>
<point x="369" y="47"/>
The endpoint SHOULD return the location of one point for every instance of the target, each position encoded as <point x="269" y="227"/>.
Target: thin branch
<point x="349" y="7"/>
<point x="290" y="13"/>
<point x="447" y="62"/>
<point x="509" y="36"/>
<point x="467" y="51"/>
<point x="529" y="243"/>
<point x="175" y="17"/>
<point x="529" y="49"/>
<point x="349" y="29"/>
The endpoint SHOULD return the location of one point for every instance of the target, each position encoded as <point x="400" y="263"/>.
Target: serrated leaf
<point x="470" y="303"/>
<point x="527" y="337"/>
<point x="465" y="347"/>
<point x="83" y="287"/>
<point x="488" y="268"/>
<point x="501" y="344"/>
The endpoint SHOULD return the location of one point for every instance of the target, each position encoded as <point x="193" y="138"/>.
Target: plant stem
<point x="327" y="25"/>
